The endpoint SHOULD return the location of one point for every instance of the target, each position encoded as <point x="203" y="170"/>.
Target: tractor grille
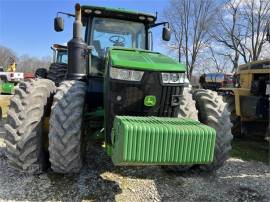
<point x="166" y="109"/>
<point x="127" y="99"/>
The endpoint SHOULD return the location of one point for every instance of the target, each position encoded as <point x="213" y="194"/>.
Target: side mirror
<point x="58" y="24"/>
<point x="166" y="34"/>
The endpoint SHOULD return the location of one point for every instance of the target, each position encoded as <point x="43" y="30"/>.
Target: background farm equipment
<point x="58" y="69"/>
<point x="215" y="81"/>
<point x="8" y="80"/>
<point x="249" y="101"/>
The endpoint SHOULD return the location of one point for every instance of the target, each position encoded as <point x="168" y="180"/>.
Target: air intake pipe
<point x="77" y="50"/>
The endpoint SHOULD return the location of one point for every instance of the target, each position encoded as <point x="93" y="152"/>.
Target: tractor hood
<point x="143" y="60"/>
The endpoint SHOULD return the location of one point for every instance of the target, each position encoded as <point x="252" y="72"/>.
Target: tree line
<point x="25" y="63"/>
<point x="216" y="35"/>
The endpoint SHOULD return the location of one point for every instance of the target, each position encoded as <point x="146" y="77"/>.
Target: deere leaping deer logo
<point x="150" y="100"/>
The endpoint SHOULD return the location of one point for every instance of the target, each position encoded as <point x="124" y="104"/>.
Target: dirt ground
<point x="99" y="180"/>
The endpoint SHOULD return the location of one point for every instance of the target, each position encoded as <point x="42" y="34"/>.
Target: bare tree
<point x="5" y="56"/>
<point x="241" y="28"/>
<point x="190" y="22"/>
<point x="227" y="32"/>
<point x="213" y="60"/>
<point x="256" y="14"/>
<point x="30" y="64"/>
<point x="25" y="63"/>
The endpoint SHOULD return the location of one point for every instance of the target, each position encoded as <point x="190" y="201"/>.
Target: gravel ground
<point x="237" y="180"/>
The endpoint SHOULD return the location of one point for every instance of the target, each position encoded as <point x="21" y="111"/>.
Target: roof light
<point x="98" y="12"/>
<point x="150" y="19"/>
<point x="142" y="18"/>
<point x="88" y="11"/>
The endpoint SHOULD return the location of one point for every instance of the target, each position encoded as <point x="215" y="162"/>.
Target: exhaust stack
<point x="77" y="24"/>
<point x="77" y="50"/>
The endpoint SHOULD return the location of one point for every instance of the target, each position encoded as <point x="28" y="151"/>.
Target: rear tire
<point x="41" y="73"/>
<point x="65" y="137"/>
<point x="236" y="120"/>
<point x="213" y="112"/>
<point x="24" y="137"/>
<point x="57" y="72"/>
<point x="187" y="110"/>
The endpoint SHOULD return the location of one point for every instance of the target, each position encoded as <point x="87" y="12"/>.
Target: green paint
<point x="108" y="149"/>
<point x="94" y="124"/>
<point x="98" y="112"/>
<point x="161" y="141"/>
<point x="7" y="88"/>
<point x="117" y="10"/>
<point x="150" y="101"/>
<point x="138" y="59"/>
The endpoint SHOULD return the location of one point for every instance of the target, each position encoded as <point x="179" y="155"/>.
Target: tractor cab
<point x="59" y="53"/>
<point x="108" y="28"/>
<point x="106" y="33"/>
<point x="104" y="28"/>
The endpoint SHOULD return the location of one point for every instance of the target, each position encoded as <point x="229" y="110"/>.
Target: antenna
<point x="67" y="14"/>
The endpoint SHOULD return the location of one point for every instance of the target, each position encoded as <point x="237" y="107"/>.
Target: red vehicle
<point x="29" y="75"/>
<point x="215" y="81"/>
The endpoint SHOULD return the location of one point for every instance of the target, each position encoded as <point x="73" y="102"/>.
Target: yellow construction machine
<point x="248" y="101"/>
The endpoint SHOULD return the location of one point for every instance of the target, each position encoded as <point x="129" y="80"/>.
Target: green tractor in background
<point x="9" y="78"/>
<point x="119" y="91"/>
<point x="58" y="68"/>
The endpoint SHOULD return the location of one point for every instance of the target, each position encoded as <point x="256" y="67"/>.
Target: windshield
<point x="113" y="32"/>
<point x="62" y="57"/>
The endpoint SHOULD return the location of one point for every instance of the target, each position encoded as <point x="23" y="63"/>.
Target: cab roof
<point x="59" y="47"/>
<point x="119" y="13"/>
<point x="258" y="64"/>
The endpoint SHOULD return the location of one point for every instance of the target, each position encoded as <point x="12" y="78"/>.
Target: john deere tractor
<point x="58" y="68"/>
<point x="118" y="91"/>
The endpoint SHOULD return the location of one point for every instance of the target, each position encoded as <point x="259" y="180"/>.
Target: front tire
<point x="65" y="137"/>
<point x="41" y="73"/>
<point x="213" y="112"/>
<point x="24" y="138"/>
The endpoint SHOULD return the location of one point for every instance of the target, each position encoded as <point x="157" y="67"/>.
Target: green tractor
<point x="58" y="68"/>
<point x="118" y="91"/>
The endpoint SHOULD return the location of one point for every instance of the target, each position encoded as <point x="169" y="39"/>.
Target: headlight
<point x="127" y="75"/>
<point x="173" y="77"/>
